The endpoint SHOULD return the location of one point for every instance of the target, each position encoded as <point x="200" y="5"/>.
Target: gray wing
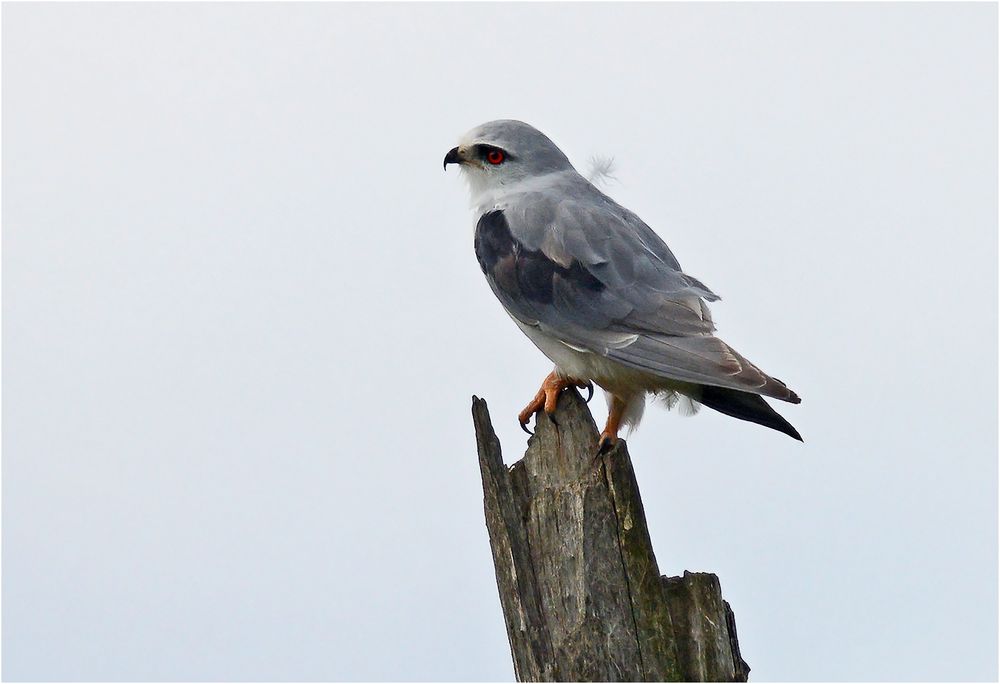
<point x="593" y="275"/>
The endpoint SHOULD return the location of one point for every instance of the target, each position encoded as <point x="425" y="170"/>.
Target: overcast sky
<point x="242" y="323"/>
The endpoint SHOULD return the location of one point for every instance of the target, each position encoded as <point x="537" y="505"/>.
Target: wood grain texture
<point x="582" y="595"/>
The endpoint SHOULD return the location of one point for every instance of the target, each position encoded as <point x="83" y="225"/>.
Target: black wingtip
<point x="746" y="406"/>
<point x="777" y="422"/>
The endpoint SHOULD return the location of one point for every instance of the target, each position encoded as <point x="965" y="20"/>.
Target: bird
<point x="597" y="290"/>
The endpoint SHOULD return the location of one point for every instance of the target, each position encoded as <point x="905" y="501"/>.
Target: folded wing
<point x="593" y="275"/>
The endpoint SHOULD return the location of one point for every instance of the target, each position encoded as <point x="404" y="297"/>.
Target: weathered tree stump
<point x="582" y="595"/>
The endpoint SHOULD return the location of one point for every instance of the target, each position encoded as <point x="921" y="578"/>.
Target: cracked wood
<point x="582" y="596"/>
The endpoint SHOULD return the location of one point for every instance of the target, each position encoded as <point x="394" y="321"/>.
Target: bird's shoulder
<point x="570" y="221"/>
<point x="575" y="259"/>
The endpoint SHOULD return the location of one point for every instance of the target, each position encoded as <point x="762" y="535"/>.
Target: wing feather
<point x="597" y="278"/>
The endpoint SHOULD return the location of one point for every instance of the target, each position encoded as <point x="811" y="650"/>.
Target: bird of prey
<point x="596" y="290"/>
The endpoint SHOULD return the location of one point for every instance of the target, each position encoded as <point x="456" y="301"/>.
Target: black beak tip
<point x="451" y="158"/>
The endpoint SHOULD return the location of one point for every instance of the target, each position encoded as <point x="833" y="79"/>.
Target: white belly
<point x="584" y="365"/>
<point x="629" y="384"/>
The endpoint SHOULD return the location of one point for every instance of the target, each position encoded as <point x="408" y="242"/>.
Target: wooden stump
<point x="582" y="595"/>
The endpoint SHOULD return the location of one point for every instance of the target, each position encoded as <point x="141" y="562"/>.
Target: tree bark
<point x="581" y="592"/>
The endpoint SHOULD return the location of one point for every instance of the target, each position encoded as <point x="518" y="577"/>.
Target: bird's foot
<point x="609" y="436"/>
<point x="548" y="397"/>
<point x="607" y="442"/>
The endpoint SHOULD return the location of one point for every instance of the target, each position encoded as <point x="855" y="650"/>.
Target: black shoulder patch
<point x="523" y="273"/>
<point x="493" y="239"/>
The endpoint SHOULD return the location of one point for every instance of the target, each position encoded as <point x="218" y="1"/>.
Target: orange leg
<point x="609" y="438"/>
<point x="548" y="396"/>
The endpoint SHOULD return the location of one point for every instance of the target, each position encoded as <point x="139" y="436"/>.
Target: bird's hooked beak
<point x="453" y="157"/>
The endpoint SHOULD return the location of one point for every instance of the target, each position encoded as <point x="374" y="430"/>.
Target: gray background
<point x="243" y="321"/>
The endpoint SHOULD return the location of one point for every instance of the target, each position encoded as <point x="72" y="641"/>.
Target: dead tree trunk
<point x="582" y="596"/>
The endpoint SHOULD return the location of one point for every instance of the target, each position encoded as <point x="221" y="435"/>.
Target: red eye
<point x="495" y="156"/>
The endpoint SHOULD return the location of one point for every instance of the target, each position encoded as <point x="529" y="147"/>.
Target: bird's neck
<point x="488" y="195"/>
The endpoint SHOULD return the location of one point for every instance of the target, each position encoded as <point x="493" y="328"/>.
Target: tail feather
<point x="746" y="406"/>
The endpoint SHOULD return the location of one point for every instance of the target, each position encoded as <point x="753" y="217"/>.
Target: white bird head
<point x="505" y="152"/>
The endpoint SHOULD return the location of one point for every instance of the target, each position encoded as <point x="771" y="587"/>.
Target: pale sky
<point x="242" y="323"/>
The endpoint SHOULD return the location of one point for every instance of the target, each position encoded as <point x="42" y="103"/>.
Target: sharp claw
<point x="604" y="446"/>
<point x="524" y="426"/>
<point x="590" y="391"/>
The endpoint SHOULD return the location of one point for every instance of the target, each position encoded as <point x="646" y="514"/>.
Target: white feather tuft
<point x="685" y="405"/>
<point x="601" y="170"/>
